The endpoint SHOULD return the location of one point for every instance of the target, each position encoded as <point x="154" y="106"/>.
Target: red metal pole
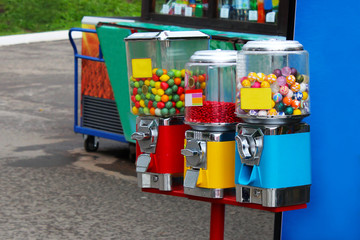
<point x="217" y="221"/>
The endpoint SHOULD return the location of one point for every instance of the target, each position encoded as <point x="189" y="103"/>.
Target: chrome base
<point x="271" y="120"/>
<point x="213" y="127"/>
<point x="207" y="192"/>
<point x="273" y="197"/>
<point x="163" y="182"/>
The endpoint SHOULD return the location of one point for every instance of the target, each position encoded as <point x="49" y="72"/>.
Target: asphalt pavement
<point x="51" y="188"/>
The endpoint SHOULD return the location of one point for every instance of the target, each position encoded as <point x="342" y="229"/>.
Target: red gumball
<point x="164" y="85"/>
<point x="155" y="77"/>
<point x="150" y="104"/>
<point x="133" y="98"/>
<point x="137" y="104"/>
<point x="160" y="105"/>
<point x="180" y="90"/>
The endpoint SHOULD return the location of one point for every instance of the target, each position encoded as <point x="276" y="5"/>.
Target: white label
<point x="177" y="9"/>
<point x="253" y="15"/>
<point x="224" y="13"/>
<point x="270" y="17"/>
<point x="188" y="11"/>
<point x="165" y="9"/>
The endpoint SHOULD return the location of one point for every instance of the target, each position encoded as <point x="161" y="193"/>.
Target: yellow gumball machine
<point x="210" y="111"/>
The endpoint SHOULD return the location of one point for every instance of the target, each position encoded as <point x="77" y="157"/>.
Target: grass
<point x="25" y="16"/>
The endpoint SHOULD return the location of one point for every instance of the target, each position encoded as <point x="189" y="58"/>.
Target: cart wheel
<point x="90" y="144"/>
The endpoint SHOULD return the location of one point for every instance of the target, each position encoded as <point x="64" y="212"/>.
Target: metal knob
<point x="243" y="147"/>
<point x="138" y="136"/>
<point x="190" y="152"/>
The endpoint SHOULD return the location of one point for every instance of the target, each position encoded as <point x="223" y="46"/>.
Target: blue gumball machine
<point x="273" y="160"/>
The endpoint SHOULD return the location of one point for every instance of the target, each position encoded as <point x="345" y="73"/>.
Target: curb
<point x="37" y="37"/>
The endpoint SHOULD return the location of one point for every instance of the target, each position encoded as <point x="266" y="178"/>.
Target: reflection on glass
<point x="261" y="11"/>
<point x="187" y="8"/>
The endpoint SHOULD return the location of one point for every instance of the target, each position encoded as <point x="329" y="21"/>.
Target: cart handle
<point x="76" y="54"/>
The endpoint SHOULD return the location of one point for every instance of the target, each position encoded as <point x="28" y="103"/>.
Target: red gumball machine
<point x="156" y="63"/>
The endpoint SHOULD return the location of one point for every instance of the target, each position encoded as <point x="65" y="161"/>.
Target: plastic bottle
<point x="261" y="11"/>
<point x="225" y="9"/>
<point x="253" y="14"/>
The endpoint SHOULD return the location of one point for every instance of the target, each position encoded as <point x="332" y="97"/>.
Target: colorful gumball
<point x="295" y="87"/>
<point x="287" y="101"/>
<point x="286" y="71"/>
<point x="295" y="104"/>
<point x="253" y="112"/>
<point x="290" y="80"/>
<point x="284" y="90"/>
<point x="271" y="78"/>
<point x="252" y="76"/>
<point x="303" y="87"/>
<point x="262" y="113"/>
<point x="261" y="77"/>
<point x="256" y="85"/>
<point x="281" y="114"/>
<point x="246" y="83"/>
<point x="298" y="96"/>
<point x="277" y="72"/>
<point x="281" y="81"/>
<point x="297" y="112"/>
<point x="277" y="97"/>
<point x="289" y="111"/>
<point x="275" y="87"/>
<point x="265" y="84"/>
<point x="280" y="107"/>
<point x="290" y="94"/>
<point x="272" y="112"/>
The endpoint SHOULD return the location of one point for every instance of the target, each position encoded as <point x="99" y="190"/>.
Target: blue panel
<point x="285" y="162"/>
<point x="330" y="31"/>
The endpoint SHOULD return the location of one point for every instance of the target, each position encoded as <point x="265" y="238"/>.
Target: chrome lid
<point x="273" y="45"/>
<point x="214" y="56"/>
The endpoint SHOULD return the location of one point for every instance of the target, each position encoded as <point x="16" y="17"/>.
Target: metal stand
<point x="217" y="221"/>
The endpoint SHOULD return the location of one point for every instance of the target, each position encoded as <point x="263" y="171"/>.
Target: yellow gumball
<point x="305" y="96"/>
<point x="135" y="110"/>
<point x="246" y="83"/>
<point x="252" y="76"/>
<point x="147" y="82"/>
<point x="297" y="112"/>
<point x="271" y="78"/>
<point x="154" y="70"/>
<point x="265" y="84"/>
<point x="154" y="91"/>
<point x="160" y="92"/>
<point x="261" y="77"/>
<point x="142" y="103"/>
<point x="164" y="78"/>
<point x="272" y="112"/>
<point x="182" y="73"/>
<point x="157" y="85"/>
<point x="203" y="85"/>
<point x="272" y="103"/>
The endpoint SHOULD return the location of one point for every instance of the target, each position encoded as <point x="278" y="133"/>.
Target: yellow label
<point x="255" y="98"/>
<point x="141" y="67"/>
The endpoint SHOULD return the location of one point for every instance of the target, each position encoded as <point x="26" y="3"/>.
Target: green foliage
<point x="19" y="16"/>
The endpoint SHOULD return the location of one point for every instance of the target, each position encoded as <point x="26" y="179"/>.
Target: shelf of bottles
<point x="260" y="11"/>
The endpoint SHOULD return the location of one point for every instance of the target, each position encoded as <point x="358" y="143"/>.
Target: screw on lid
<point x="214" y="56"/>
<point x="273" y="45"/>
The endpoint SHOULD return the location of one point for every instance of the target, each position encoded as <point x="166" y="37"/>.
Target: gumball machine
<point x="273" y="163"/>
<point x="156" y="63"/>
<point x="210" y="81"/>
